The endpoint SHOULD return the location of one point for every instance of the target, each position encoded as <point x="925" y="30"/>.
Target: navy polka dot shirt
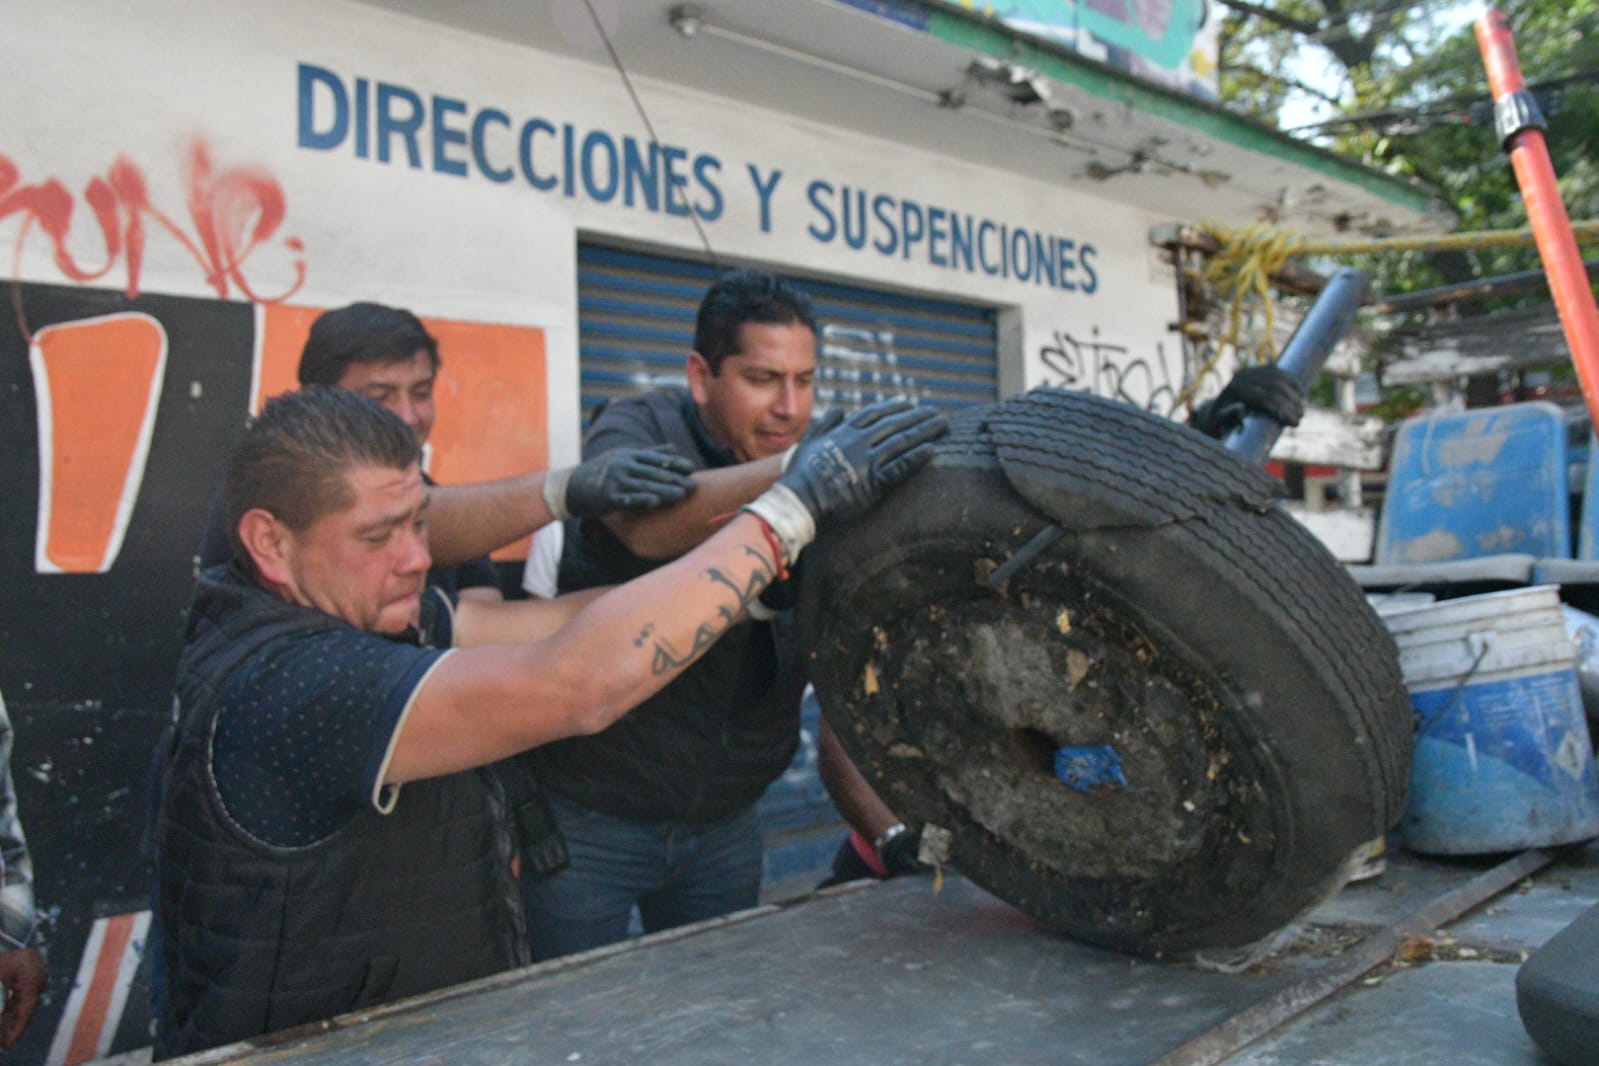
<point x="306" y="725"/>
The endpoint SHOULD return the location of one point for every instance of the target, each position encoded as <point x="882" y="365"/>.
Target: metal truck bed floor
<point x="894" y="973"/>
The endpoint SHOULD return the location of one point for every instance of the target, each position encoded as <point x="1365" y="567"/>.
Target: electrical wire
<point x="1332" y="27"/>
<point x="655" y="141"/>
<point x="1457" y="110"/>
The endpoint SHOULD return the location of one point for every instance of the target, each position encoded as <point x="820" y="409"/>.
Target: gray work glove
<point x="842" y="473"/>
<point x="819" y="427"/>
<point x="627" y="479"/>
<point x="822" y="425"/>
<point x="1264" y="390"/>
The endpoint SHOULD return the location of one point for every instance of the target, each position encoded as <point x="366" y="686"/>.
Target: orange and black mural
<point x="116" y="418"/>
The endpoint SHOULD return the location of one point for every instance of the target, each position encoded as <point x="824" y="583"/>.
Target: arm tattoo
<point x="667" y="658"/>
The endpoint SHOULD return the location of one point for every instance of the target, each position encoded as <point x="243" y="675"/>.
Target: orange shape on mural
<point x="280" y="334"/>
<point x="492" y="406"/>
<point x="97" y="383"/>
<point x="491" y="399"/>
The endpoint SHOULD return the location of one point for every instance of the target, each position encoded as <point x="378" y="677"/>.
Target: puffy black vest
<point x="708" y="744"/>
<point x="258" y="938"/>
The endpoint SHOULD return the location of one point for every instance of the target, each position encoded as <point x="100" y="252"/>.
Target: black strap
<point x="1515" y="112"/>
<point x="537" y="834"/>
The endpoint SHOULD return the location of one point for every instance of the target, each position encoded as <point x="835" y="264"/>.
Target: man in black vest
<point x="658" y="811"/>
<point x="387" y="354"/>
<point x="297" y="880"/>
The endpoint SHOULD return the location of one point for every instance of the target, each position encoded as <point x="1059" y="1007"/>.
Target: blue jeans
<point x="674" y="872"/>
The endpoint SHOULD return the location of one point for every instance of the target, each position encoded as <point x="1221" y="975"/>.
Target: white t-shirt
<point x="544" y="561"/>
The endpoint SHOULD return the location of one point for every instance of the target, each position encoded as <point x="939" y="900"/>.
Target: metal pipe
<point x="1303" y="356"/>
<point x="1481" y="288"/>
<point x="1250" y="1024"/>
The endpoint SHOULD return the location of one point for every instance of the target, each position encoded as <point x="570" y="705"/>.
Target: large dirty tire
<point x="1183" y="622"/>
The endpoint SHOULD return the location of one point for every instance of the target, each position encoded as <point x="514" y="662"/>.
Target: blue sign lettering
<point x="453" y="137"/>
<point x="338" y="126"/>
<point x="445" y="135"/>
<point x="480" y="153"/>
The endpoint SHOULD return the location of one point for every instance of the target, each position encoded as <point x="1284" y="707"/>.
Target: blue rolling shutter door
<point x="636" y="323"/>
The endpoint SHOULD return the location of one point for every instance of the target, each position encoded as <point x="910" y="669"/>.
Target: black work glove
<point x="843" y="472"/>
<point x="627" y="479"/>
<point x="1264" y="390"/>
<point x="899" y="853"/>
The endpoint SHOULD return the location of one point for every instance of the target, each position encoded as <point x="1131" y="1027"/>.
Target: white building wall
<point x="461" y="229"/>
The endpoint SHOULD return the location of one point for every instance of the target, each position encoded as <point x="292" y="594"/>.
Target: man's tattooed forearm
<point x="668" y="658"/>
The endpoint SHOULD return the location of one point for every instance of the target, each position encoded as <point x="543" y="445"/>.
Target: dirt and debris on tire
<point x="1183" y="623"/>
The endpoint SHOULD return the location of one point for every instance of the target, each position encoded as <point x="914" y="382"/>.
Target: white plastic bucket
<point x="1503" y="759"/>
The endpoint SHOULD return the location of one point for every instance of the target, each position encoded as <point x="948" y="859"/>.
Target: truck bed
<point x="916" y="971"/>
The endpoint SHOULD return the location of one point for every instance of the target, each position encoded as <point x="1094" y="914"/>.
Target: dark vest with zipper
<point x="707" y="745"/>
<point x="258" y="938"/>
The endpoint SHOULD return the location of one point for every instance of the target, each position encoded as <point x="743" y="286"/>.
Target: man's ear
<point x="266" y="541"/>
<point x="699" y="378"/>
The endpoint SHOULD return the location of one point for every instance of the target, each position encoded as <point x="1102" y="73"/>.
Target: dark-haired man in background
<point x="659" y="810"/>
<point x="387" y="353"/>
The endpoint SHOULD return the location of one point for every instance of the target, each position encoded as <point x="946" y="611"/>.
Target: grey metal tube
<point x="1304" y="355"/>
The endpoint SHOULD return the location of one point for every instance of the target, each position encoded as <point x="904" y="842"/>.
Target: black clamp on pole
<point x="1515" y="112"/>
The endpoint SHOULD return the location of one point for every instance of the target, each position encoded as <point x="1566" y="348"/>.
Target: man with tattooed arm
<point x="322" y="843"/>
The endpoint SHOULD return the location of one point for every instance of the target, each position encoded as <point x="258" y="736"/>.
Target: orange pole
<point x="1521" y="130"/>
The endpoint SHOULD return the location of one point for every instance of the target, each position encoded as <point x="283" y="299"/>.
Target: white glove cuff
<point x="555" y="492"/>
<point x="787" y="517"/>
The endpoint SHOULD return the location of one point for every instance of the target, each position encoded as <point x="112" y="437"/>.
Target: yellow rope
<point x="1242" y="268"/>
<point x="1245" y="261"/>
<point x="1450" y="242"/>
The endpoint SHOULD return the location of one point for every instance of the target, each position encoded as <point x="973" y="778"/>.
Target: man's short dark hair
<point x="362" y="333"/>
<point x="295" y="458"/>
<point x="746" y="296"/>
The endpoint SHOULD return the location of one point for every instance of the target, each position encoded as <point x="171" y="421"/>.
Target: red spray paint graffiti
<point x="232" y="213"/>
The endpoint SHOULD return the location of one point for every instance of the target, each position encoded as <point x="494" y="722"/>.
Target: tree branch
<point x="1277" y="80"/>
<point x="1287" y="22"/>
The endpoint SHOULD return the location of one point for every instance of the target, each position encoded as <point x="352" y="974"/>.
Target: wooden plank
<point x="1349" y="533"/>
<point x="1477" y="289"/>
<point x="1329" y="438"/>
<point x="1507" y="340"/>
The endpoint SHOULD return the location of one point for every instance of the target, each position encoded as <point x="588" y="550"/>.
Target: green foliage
<point x="1406" y="92"/>
<point x="1405" y="79"/>
<point x="1398" y="403"/>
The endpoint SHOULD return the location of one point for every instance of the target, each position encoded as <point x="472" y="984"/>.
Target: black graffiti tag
<point x="1107" y="370"/>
